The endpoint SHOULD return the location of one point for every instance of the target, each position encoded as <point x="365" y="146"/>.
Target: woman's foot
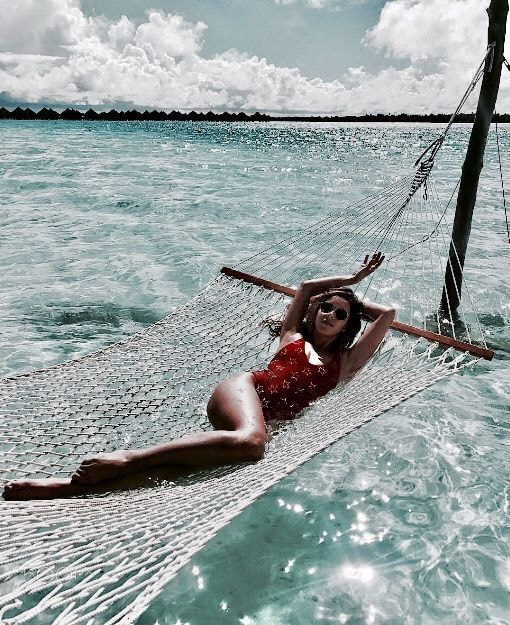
<point x="49" y="488"/>
<point x="104" y="467"/>
<point x="91" y="471"/>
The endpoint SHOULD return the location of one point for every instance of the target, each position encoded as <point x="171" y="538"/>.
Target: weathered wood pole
<point x="473" y="162"/>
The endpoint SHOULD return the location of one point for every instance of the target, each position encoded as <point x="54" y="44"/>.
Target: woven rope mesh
<point x="102" y="558"/>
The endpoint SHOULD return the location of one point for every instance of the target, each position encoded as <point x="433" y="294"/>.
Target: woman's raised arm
<point x="382" y="318"/>
<point x="309" y="288"/>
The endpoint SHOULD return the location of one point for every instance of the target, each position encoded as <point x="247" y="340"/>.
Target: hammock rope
<point x="501" y="173"/>
<point x="435" y="146"/>
<point x="59" y="559"/>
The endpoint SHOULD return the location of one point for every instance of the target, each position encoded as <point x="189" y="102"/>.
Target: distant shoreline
<point x="74" y="115"/>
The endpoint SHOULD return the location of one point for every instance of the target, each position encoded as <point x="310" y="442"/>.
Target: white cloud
<point x="45" y="27"/>
<point x="121" y="33"/>
<point x="51" y="52"/>
<point x="417" y="29"/>
<point x="169" y="35"/>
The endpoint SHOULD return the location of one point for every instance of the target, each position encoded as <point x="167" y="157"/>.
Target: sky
<point x="276" y="56"/>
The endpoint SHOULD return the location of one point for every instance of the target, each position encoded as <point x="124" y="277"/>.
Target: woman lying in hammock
<point x="316" y="352"/>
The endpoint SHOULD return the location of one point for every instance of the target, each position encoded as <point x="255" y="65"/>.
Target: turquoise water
<point x="105" y="227"/>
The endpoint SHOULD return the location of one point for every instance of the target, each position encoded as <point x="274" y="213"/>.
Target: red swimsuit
<point x="290" y="382"/>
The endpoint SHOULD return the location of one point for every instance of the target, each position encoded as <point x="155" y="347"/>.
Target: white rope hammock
<point x="103" y="558"/>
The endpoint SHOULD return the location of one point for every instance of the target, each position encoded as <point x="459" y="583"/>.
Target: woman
<point x="316" y="352"/>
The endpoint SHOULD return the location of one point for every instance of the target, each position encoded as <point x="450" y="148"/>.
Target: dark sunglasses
<point x="340" y="313"/>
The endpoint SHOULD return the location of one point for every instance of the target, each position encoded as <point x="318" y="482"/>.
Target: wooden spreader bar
<point x="462" y="346"/>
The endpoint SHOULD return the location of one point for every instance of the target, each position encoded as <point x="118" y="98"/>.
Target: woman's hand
<point x="369" y="266"/>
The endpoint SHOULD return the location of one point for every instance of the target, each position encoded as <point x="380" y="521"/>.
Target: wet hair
<point x="307" y="327"/>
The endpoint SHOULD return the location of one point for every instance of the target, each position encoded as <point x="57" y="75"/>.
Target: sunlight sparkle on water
<point x="360" y="573"/>
<point x="503" y="573"/>
<point x="371" y="615"/>
<point x="376" y="494"/>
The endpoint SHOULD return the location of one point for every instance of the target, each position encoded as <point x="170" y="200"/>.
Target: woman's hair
<point x="346" y="338"/>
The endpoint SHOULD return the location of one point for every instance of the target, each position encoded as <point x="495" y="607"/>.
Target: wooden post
<point x="473" y="163"/>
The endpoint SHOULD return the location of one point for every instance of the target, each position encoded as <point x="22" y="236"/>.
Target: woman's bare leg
<point x="234" y="410"/>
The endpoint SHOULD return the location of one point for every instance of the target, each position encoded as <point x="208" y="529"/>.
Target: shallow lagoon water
<point x="105" y="227"/>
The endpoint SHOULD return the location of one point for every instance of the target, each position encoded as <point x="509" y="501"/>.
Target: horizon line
<point x="73" y="114"/>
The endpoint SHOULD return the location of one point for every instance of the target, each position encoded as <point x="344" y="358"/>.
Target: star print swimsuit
<point x="290" y="382"/>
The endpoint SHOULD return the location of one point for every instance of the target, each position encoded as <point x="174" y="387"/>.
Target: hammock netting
<point x="103" y="557"/>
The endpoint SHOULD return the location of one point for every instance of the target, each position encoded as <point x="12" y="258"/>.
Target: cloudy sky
<point x="311" y="56"/>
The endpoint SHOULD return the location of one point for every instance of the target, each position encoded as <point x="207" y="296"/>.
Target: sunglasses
<point x="340" y="313"/>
